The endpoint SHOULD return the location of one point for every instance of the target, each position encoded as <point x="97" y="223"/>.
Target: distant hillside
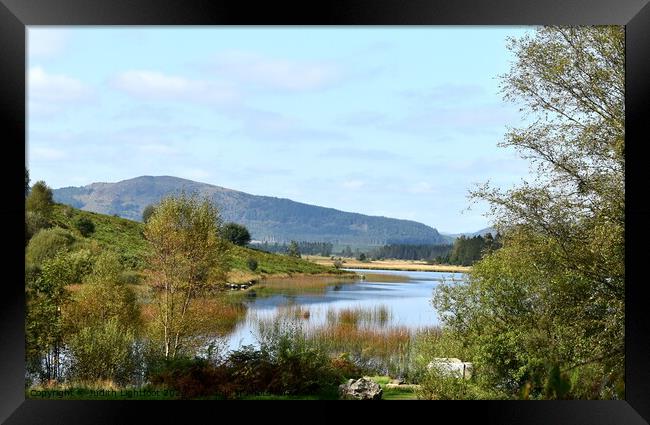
<point x="267" y="218"/>
<point x="482" y="232"/>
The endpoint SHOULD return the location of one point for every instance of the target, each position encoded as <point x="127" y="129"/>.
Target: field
<point x="406" y="265"/>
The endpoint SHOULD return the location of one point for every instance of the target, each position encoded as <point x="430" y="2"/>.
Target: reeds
<point x="306" y="284"/>
<point x="378" y="316"/>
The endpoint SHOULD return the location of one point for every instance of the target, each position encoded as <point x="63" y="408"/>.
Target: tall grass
<point x="359" y="316"/>
<point x="304" y="285"/>
<point x="362" y="335"/>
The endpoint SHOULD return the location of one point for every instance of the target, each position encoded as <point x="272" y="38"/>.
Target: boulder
<point x="360" y="389"/>
<point x="452" y="367"/>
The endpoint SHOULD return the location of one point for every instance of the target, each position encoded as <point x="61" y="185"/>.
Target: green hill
<point x="267" y="218"/>
<point x="126" y="238"/>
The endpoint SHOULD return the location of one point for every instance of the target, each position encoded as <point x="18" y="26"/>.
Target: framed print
<point x="392" y="201"/>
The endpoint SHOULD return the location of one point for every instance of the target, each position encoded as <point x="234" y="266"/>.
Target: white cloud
<point x="154" y="85"/>
<point x="55" y="88"/>
<point x="46" y="42"/>
<point x="276" y="74"/>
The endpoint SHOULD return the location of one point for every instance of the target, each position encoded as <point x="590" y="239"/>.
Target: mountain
<point x="481" y="232"/>
<point x="267" y="218"/>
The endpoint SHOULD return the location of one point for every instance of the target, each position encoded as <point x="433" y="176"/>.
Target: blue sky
<point x="393" y="121"/>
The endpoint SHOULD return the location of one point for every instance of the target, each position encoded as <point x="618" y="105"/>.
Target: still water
<point x="406" y="294"/>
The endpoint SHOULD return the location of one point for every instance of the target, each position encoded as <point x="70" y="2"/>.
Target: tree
<point x="187" y="257"/>
<point x="26" y="182"/>
<point x="547" y="309"/>
<point x="40" y="199"/>
<point x="147" y="213"/>
<point x="46" y="296"/>
<point x="293" y="250"/>
<point x="236" y="233"/>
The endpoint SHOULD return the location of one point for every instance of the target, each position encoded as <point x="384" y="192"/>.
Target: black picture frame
<point x="15" y="15"/>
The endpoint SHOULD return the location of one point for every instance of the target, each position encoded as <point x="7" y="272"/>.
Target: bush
<point x="105" y="351"/>
<point x="85" y="226"/>
<point x="81" y="263"/>
<point x="252" y="264"/>
<point x="47" y="243"/>
<point x="191" y="377"/>
<point x="129" y="277"/>
<point x="147" y="213"/>
<point x="68" y="211"/>
<point x="34" y="221"/>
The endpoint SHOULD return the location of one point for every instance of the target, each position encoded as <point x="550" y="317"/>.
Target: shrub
<point x="191" y="377"/>
<point x="85" y="226"/>
<point x="34" y="221"/>
<point x="47" y="243"/>
<point x="81" y="263"/>
<point x="104" y="351"/>
<point x="129" y="277"/>
<point x="147" y="213"/>
<point x="252" y="264"/>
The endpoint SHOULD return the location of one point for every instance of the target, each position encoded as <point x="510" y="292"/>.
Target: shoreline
<point x="393" y="265"/>
<point x="448" y="269"/>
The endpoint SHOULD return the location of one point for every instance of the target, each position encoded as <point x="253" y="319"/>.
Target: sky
<point x="392" y="121"/>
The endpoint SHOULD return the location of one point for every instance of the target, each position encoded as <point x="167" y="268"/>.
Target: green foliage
<point x="236" y="233"/>
<point x="34" y="221"/>
<point x="40" y="199"/>
<point x="252" y="264"/>
<point x="68" y="211"/>
<point x="47" y="243"/>
<point x="544" y="314"/>
<point x="105" y="351"/>
<point x="129" y="277"/>
<point x="187" y="257"/>
<point x="147" y="213"/>
<point x="466" y="251"/>
<point x="26" y="182"/>
<point x="293" y="250"/>
<point x="111" y="233"/>
<point x="104" y="297"/>
<point x="412" y="252"/>
<point x="85" y="226"/>
<point x="308" y="248"/>
<point x="285" y="364"/>
<point x="46" y="296"/>
<point x="101" y="325"/>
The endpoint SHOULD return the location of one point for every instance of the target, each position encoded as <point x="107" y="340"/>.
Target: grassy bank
<point x="126" y="238"/>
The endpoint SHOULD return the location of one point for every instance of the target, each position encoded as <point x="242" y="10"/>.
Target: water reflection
<point x="406" y="295"/>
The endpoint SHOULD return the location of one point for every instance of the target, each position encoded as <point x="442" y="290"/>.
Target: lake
<point x="405" y="294"/>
